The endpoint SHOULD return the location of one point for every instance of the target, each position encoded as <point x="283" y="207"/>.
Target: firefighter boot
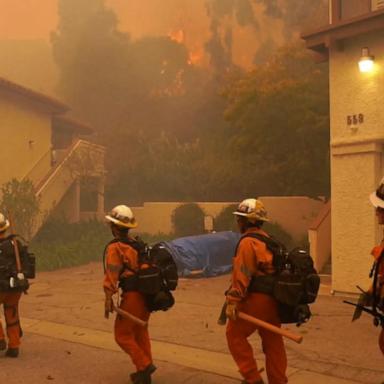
<point x="12" y="352"/>
<point x="144" y="376"/>
<point x="150" y="369"/>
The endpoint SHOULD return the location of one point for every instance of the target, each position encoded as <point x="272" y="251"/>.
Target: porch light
<point x="366" y="61"/>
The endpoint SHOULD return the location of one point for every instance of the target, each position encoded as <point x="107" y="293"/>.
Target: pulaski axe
<point x="270" y="327"/>
<point x="129" y="316"/>
<point x="260" y="323"/>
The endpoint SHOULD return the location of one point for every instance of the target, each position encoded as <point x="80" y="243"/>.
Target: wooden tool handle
<point x="263" y="324"/>
<point x="15" y="245"/>
<point x="129" y="316"/>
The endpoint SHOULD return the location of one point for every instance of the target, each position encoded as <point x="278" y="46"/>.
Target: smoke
<point x="245" y="14"/>
<point x="265" y="50"/>
<point x="220" y="54"/>
<point x="224" y="15"/>
<point x="272" y="7"/>
<point x="296" y="13"/>
<point x="220" y="8"/>
<point x="263" y="24"/>
<point x="220" y="51"/>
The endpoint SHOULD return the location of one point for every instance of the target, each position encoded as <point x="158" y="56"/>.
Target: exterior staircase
<point x="52" y="181"/>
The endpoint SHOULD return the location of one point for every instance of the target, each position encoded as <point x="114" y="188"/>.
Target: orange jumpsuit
<point x="253" y="259"/>
<point x="10" y="301"/>
<point x="376" y="253"/>
<point x="120" y="261"/>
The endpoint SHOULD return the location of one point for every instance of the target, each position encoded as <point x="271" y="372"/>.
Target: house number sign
<point x="355" y="119"/>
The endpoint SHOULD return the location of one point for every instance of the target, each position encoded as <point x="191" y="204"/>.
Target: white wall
<point x="357" y="152"/>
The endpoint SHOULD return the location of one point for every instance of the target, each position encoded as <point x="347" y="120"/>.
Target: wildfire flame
<point x="195" y="57"/>
<point x="178" y="36"/>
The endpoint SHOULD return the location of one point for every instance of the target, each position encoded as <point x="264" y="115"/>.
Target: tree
<point x="280" y="118"/>
<point x="296" y="13"/>
<point x="162" y="119"/>
<point x="188" y="220"/>
<point x="148" y="103"/>
<point x="92" y="57"/>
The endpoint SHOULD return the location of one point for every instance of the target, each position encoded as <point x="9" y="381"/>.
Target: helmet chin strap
<point x="242" y="224"/>
<point x="118" y="231"/>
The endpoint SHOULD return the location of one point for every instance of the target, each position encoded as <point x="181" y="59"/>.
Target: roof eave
<point x="76" y="125"/>
<point x="53" y="105"/>
<point x="322" y="39"/>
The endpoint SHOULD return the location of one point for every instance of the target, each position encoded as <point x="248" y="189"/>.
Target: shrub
<point x="225" y="220"/>
<point x="188" y="220"/>
<point x="60" y="244"/>
<point x="19" y="199"/>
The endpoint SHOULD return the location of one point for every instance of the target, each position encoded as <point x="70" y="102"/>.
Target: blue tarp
<point x="211" y="253"/>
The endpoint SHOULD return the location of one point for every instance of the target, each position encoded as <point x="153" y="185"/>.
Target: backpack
<point x="8" y="268"/>
<point x="378" y="290"/>
<point x="295" y="283"/>
<point x="156" y="276"/>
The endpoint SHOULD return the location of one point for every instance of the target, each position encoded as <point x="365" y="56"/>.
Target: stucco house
<point x="353" y="43"/>
<point x="41" y="144"/>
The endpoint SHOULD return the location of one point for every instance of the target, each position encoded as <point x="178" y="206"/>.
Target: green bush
<point x="19" y="199"/>
<point x="59" y="244"/>
<point x="225" y="220"/>
<point x="188" y="220"/>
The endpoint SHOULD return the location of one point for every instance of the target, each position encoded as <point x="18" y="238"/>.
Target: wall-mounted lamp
<point x="366" y="61"/>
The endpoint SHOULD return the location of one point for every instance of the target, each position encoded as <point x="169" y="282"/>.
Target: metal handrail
<point x="29" y="175"/>
<point x="73" y="149"/>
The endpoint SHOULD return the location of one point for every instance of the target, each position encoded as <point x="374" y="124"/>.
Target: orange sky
<point x="35" y="19"/>
<point x="27" y="19"/>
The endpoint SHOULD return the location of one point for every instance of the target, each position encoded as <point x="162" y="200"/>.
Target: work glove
<point x="366" y="299"/>
<point x="231" y="310"/>
<point x="108" y="304"/>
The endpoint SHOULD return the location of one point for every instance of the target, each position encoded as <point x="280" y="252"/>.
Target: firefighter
<point x="252" y="258"/>
<point x="9" y="296"/>
<point x="377" y="293"/>
<point x="121" y="263"/>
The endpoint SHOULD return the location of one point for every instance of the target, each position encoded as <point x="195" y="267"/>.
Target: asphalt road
<point x="67" y="340"/>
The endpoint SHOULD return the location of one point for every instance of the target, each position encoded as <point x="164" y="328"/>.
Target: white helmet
<point x="122" y="216"/>
<point x="252" y="209"/>
<point x="4" y="223"/>
<point x="377" y="197"/>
